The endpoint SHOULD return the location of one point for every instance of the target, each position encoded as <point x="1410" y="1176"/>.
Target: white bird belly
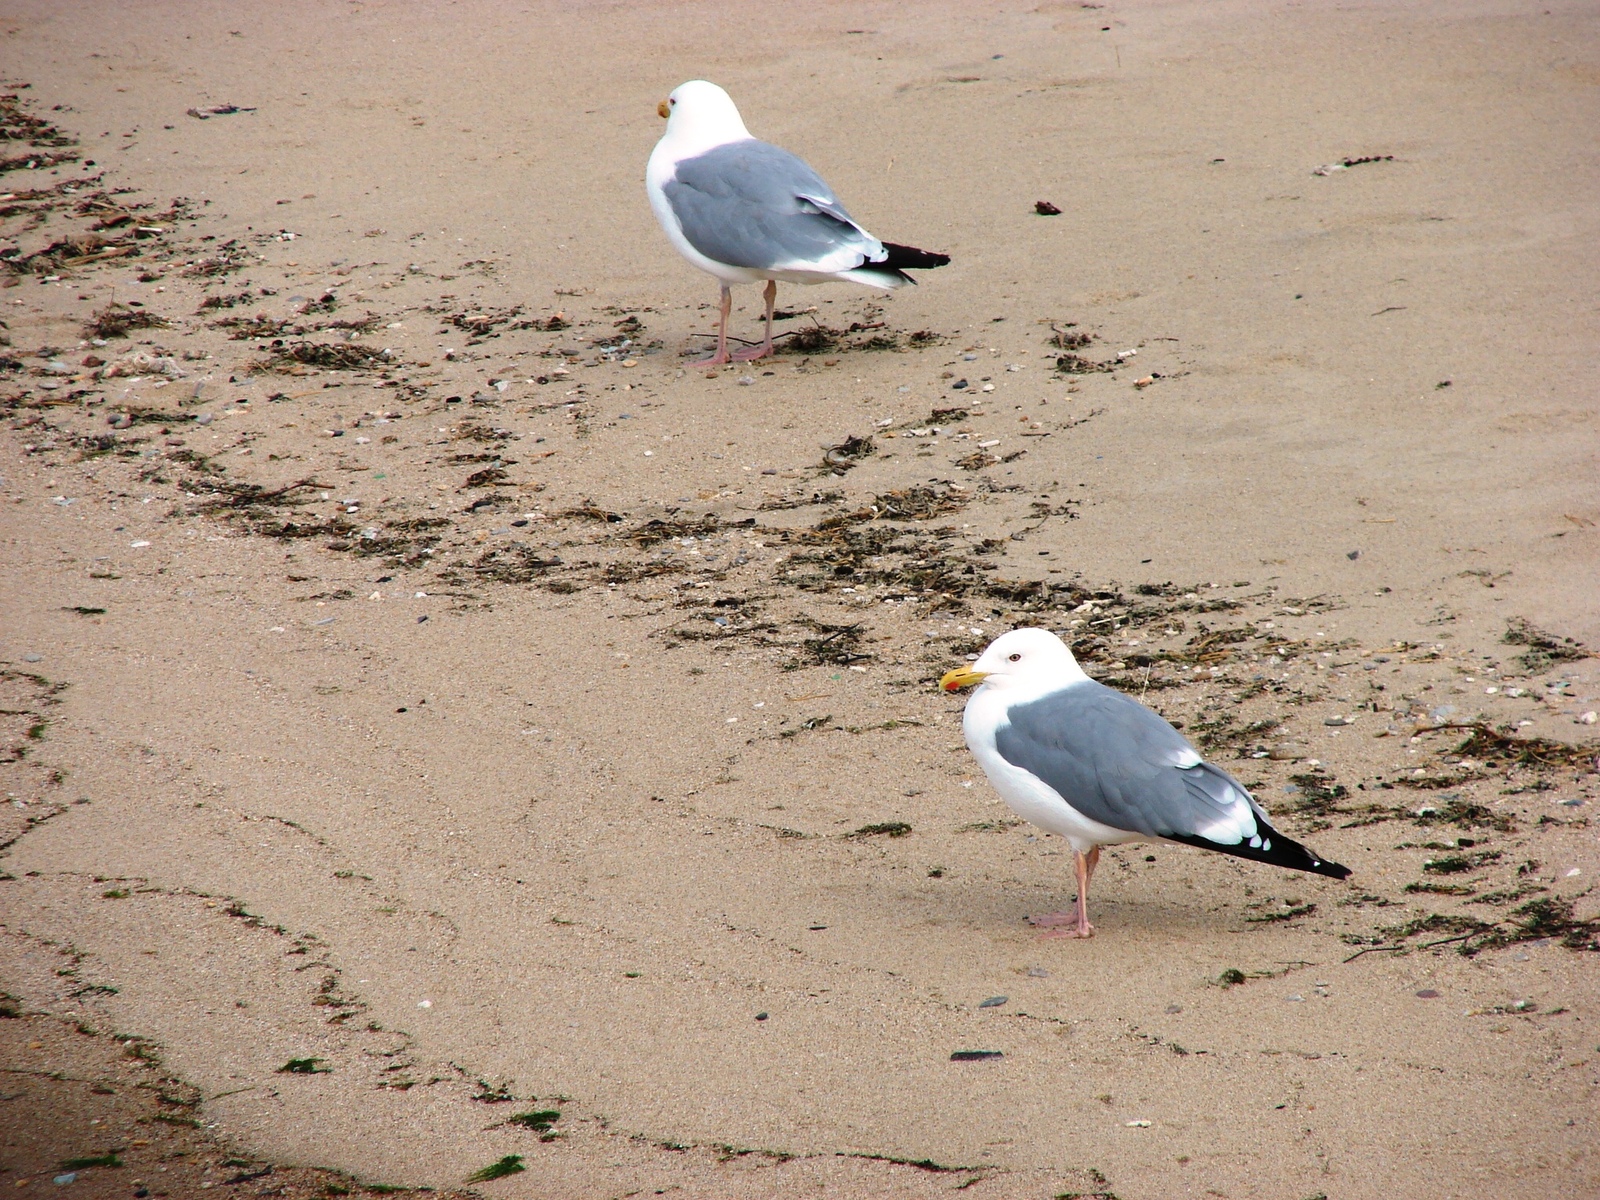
<point x="1040" y="804"/>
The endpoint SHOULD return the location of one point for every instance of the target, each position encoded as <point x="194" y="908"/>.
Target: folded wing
<point x="1117" y="762"/>
<point x="752" y="204"/>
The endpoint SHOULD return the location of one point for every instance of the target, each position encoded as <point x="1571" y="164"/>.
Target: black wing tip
<point x="1332" y="869"/>
<point x="901" y="258"/>
<point x="1284" y="852"/>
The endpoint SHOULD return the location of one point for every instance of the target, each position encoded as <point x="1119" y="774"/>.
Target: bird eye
<point x="1016" y="658"/>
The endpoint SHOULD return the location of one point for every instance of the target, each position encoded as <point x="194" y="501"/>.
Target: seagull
<point x="1077" y="758"/>
<point x="745" y="210"/>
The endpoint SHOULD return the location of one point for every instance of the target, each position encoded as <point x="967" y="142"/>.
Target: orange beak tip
<point x="663" y="110"/>
<point x="960" y="677"/>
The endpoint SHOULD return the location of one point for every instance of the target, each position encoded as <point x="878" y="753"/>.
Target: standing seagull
<point x="746" y="210"/>
<point x="1076" y="758"/>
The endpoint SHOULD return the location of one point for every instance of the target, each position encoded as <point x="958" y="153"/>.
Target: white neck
<point x="694" y="140"/>
<point x="1020" y="690"/>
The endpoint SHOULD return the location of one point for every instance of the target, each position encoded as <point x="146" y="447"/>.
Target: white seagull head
<point x="700" y="117"/>
<point x="1022" y="661"/>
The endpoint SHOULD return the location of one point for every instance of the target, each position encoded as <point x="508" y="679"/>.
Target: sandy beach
<point x="450" y="742"/>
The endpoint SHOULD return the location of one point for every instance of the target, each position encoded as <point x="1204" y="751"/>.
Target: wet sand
<point x="414" y="671"/>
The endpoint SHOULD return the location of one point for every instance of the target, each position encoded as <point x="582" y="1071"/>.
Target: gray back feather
<point x="1112" y="759"/>
<point x="752" y="204"/>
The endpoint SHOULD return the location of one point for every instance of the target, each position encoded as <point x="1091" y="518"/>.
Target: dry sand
<point x="531" y="778"/>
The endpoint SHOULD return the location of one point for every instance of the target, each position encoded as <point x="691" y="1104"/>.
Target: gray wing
<point x="1119" y="763"/>
<point x="752" y="204"/>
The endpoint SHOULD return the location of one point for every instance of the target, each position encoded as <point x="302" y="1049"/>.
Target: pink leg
<point x="1078" y="919"/>
<point x="761" y="351"/>
<point x="721" y="356"/>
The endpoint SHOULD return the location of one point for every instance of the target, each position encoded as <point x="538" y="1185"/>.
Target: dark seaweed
<point x="1545" y="650"/>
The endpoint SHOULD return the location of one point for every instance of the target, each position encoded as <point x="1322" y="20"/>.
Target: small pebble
<point x="975" y="1055"/>
<point x="32" y="658"/>
<point x="1338" y="720"/>
<point x="1297" y="998"/>
<point x="63" y="1180"/>
<point x="994" y="1002"/>
<point x="761" y="1016"/>
<point x="1038" y="973"/>
<point x="1173" y="1010"/>
<point x="746" y="380"/>
<point x="1137" y="1124"/>
<point x="1427" y="994"/>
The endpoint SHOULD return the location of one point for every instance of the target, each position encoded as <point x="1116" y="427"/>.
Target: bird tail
<point x="1275" y="849"/>
<point x="890" y="270"/>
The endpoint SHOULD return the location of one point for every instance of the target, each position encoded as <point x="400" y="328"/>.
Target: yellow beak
<point x="954" y="681"/>
<point x="663" y="110"/>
